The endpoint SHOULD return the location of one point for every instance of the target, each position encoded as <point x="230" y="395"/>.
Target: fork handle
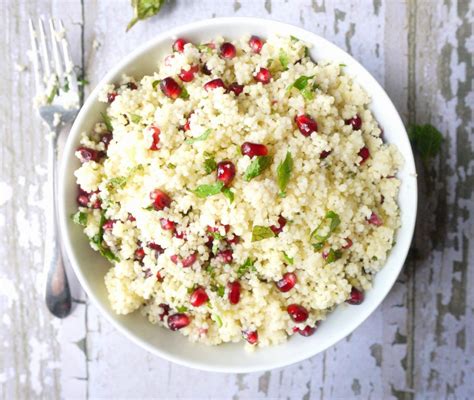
<point x="57" y="292"/>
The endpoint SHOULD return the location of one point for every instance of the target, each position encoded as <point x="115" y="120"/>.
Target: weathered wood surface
<point x="418" y="344"/>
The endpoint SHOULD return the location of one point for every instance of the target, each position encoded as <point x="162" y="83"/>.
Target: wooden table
<point x="418" y="344"/>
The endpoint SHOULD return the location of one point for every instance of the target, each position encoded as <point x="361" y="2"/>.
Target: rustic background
<point x="418" y="344"/>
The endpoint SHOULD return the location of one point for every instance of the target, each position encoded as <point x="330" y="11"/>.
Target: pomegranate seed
<point x="167" y="225"/>
<point x="227" y="50"/>
<point x="306" y="124"/>
<point x="374" y="219"/>
<point x="253" y="149"/>
<point x="214" y="84"/>
<point x="225" y="256"/>
<point x="106" y="138"/>
<point x="287" y="282"/>
<point x="205" y="70"/>
<point x="225" y="172"/>
<point x="198" y="297"/>
<point x="165" y="312"/>
<point x="170" y="88"/>
<point x="156" y="247"/>
<point x="256" y="44"/>
<point x="297" y="313"/>
<point x="187" y="126"/>
<point x="159" y="278"/>
<point x="355" y="122"/>
<point x="178" y="321"/>
<point x="348" y="244"/>
<point x="83" y="200"/>
<point x="306" y="331"/>
<point x="97" y="202"/>
<point x="250" y="336"/>
<point x="356" y="297"/>
<point x="263" y="76"/>
<point x="364" y="153"/>
<point x="189" y="260"/>
<point x="324" y="154"/>
<point x="131" y="218"/>
<point x="86" y="154"/>
<point x="155" y="132"/>
<point x="174" y="258"/>
<point x="234" y="292"/>
<point x="188" y="76"/>
<point x="179" y="234"/>
<point x="111" y="96"/>
<point x="139" y="254"/>
<point x="236" y="88"/>
<point x="160" y="199"/>
<point x="108" y="225"/>
<point x="234" y="240"/>
<point x="281" y="224"/>
<point x="178" y="45"/>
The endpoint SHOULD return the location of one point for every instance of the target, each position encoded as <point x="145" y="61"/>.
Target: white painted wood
<point x="418" y="344"/>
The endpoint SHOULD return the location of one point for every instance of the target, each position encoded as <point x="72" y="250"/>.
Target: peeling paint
<point x="237" y="5"/>
<point x="268" y="6"/>
<point x="376" y="352"/>
<point x="318" y="7"/>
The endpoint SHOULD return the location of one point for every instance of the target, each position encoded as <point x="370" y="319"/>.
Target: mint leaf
<point x="204" y="191"/>
<point x="98" y="240"/>
<point x="288" y="259"/>
<point x="256" y="168"/>
<point x="426" y="139"/>
<point x="181" y="309"/>
<point x="294" y="38"/>
<point x="143" y="9"/>
<point x="79" y="218"/>
<point x="210" y="165"/>
<point x="245" y="267"/>
<point x="154" y="84"/>
<point x="107" y="122"/>
<point x="228" y="193"/>
<point x="261" y="232"/>
<point x="283" y="57"/>
<point x="135" y="118"/>
<point x="284" y="173"/>
<point x="217" y="320"/>
<point x="325" y="229"/>
<point x="184" y="93"/>
<point x="333" y="255"/>
<point x="202" y="137"/>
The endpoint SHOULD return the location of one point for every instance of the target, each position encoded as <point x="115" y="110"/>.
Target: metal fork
<point x="57" y="98"/>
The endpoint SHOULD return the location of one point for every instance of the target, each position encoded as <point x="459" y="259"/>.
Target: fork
<point x="57" y="100"/>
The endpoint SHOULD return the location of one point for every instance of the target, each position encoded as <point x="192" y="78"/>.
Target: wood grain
<point x="418" y="344"/>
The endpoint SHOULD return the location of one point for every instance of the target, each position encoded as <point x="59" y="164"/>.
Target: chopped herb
<point x="98" y="241"/>
<point x="184" y="93"/>
<point x="219" y="289"/>
<point x="426" y="139"/>
<point x="342" y="65"/>
<point x="306" y="51"/>
<point x="294" y="38"/>
<point x="333" y="255"/>
<point x="154" y="84"/>
<point x="215" y="247"/>
<point x="116" y="183"/>
<point x="283" y="173"/>
<point x="228" y="193"/>
<point x="210" y="165"/>
<point x="261" y="232"/>
<point x="307" y="93"/>
<point x="202" y="137"/>
<point x="216" y="235"/>
<point x="107" y="122"/>
<point x="217" y="320"/>
<point x="135" y="118"/>
<point x="374" y="258"/>
<point x="288" y="259"/>
<point x="256" y="168"/>
<point x="204" y="47"/>
<point x="182" y="309"/>
<point x="80" y="218"/>
<point x="203" y="191"/>
<point x="329" y="224"/>
<point x="149" y="208"/>
<point x="143" y="9"/>
<point x="245" y="267"/>
<point x="171" y="166"/>
<point x="283" y="58"/>
<point x="54" y="92"/>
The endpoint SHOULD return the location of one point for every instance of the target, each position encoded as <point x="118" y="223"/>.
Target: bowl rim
<point x="76" y="130"/>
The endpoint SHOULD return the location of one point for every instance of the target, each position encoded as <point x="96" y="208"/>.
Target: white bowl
<point x="90" y="268"/>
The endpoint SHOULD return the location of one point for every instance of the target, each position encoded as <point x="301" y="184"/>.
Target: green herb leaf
<point x="217" y="320"/>
<point x="328" y="225"/>
<point x="143" y="9"/>
<point x="294" y="38"/>
<point x="66" y="86"/>
<point x="307" y="93"/>
<point x="203" y="191"/>
<point x="284" y="173"/>
<point x="204" y="47"/>
<point x="171" y="166"/>
<point x="283" y="57"/>
<point x="256" y="168"/>
<point x="181" y="309"/>
<point x="184" y="93"/>
<point x="149" y="208"/>
<point x="80" y="218"/>
<point x="228" y="193"/>
<point x="210" y="165"/>
<point x="54" y="92"/>
<point x="261" y="232"/>
<point x="426" y="139"/>
<point x="342" y="65"/>
<point x="288" y="259"/>
<point x="107" y="122"/>
<point x="220" y="291"/>
<point x="154" y="84"/>
<point x="301" y="82"/>
<point x="99" y="239"/>
<point x="200" y="138"/>
<point x="135" y="118"/>
<point x="116" y="183"/>
<point x="245" y="267"/>
<point x="333" y="255"/>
